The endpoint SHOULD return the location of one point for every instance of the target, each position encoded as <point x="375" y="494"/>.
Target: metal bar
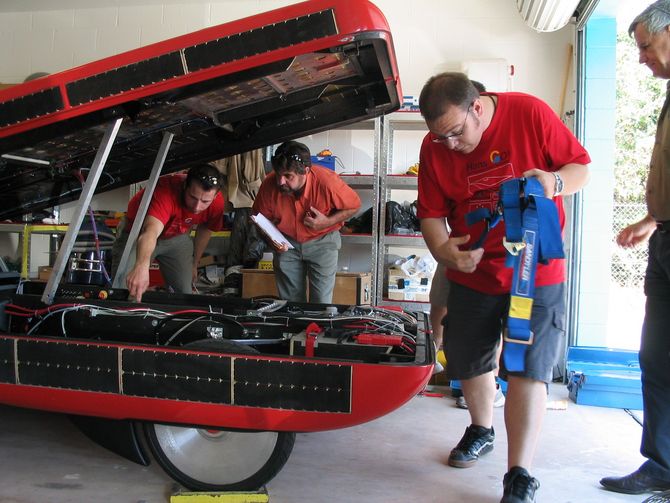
<point x="82" y="206"/>
<point x="25" y="252"/>
<point x="142" y="210"/>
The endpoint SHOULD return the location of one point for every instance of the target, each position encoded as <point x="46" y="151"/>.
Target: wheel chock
<point x="220" y="497"/>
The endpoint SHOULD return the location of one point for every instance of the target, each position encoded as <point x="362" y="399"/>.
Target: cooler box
<point x="604" y="377"/>
<point x="327" y="161"/>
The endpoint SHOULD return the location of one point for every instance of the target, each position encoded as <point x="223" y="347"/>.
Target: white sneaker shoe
<point x="498" y="401"/>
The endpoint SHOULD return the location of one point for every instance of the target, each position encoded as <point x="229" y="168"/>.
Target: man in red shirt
<point x="477" y="142"/>
<point x="308" y="204"/>
<point x="179" y="203"/>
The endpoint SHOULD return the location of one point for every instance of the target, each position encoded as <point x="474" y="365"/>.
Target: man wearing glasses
<point x="651" y="30"/>
<point x="180" y="202"/>
<point x="308" y="204"/>
<point x="475" y="143"/>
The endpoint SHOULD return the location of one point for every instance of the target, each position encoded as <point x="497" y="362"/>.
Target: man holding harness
<point x="477" y="142"/>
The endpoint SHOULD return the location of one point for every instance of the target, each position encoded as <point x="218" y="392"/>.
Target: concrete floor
<point x="398" y="458"/>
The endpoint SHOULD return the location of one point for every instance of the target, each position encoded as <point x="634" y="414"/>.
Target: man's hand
<point x="636" y="233"/>
<point x="194" y="274"/>
<point x="545" y="178"/>
<point x="280" y="247"/>
<point x="316" y="220"/>
<point x="138" y="279"/>
<point x="464" y="261"/>
<point x="138" y="282"/>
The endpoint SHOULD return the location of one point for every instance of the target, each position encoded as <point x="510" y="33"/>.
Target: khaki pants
<point x="174" y="256"/>
<point x="316" y="260"/>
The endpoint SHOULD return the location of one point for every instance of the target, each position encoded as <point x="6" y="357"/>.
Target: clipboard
<point x="270" y="230"/>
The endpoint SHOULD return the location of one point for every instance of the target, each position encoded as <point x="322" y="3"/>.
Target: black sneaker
<point x="519" y="486"/>
<point x="476" y="442"/>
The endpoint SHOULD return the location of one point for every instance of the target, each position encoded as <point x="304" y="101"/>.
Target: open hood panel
<point x="223" y="90"/>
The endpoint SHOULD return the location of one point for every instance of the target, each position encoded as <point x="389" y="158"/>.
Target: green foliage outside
<point x="639" y="100"/>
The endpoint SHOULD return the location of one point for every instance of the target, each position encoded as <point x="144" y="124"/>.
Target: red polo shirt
<point x="324" y="190"/>
<point x="166" y="205"/>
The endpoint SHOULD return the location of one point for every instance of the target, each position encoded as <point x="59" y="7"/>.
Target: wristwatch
<point x="558" y="184"/>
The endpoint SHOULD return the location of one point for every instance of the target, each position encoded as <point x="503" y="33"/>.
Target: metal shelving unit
<point x="381" y="183"/>
<point x="369" y="182"/>
<point x="399" y="121"/>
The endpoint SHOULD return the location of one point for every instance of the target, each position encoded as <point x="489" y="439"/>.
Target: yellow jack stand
<point x="221" y="497"/>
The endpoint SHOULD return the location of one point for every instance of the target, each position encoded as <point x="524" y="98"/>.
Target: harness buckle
<point x="513" y="247"/>
<point x="528" y="342"/>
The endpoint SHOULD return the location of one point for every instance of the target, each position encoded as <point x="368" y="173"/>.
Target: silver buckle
<point x="507" y="338"/>
<point x="513" y="247"/>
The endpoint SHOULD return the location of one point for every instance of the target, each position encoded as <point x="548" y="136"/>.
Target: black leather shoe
<point x="634" y="483"/>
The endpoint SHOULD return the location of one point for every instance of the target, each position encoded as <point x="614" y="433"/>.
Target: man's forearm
<point x="342" y="215"/>
<point x="146" y="244"/>
<point x="202" y="237"/>
<point x="574" y="176"/>
<point x="435" y="234"/>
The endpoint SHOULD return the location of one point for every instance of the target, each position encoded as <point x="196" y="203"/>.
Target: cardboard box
<point x="409" y="295"/>
<point x="414" y="288"/>
<point x="44" y="272"/>
<point x="350" y="287"/>
<point x="257" y="283"/>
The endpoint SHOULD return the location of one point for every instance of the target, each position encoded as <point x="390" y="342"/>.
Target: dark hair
<point x="445" y="90"/>
<point x="291" y="156"/>
<point x="478" y="85"/>
<point x="654" y="18"/>
<point x="206" y="175"/>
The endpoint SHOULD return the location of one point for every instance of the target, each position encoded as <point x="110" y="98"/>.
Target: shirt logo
<point x="498" y="157"/>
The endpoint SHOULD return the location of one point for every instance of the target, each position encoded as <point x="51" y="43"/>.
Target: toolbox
<point x="604" y="377"/>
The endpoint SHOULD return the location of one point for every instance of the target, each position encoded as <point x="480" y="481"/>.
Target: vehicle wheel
<point x="204" y="459"/>
<point x="219" y="460"/>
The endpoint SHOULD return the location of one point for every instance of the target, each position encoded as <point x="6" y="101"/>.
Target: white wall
<point x="429" y="36"/>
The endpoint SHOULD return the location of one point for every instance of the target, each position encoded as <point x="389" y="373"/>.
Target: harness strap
<point x="534" y="218"/>
<point x="532" y="234"/>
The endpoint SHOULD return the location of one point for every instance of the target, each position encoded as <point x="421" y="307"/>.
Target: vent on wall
<point x="547" y="15"/>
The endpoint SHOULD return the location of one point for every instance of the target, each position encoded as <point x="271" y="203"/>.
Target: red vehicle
<point x="215" y="388"/>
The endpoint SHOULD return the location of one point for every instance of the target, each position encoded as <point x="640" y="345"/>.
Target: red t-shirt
<point x="324" y="190"/>
<point x="524" y="134"/>
<point x="166" y="205"/>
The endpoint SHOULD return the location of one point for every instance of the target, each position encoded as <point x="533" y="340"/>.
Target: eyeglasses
<point x="457" y="134"/>
<point x="292" y="157"/>
<point x="209" y="180"/>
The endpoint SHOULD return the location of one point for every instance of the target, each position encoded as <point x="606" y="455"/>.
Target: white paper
<point x="270" y="230"/>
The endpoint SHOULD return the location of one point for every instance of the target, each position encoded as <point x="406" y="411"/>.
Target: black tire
<point x="219" y="460"/>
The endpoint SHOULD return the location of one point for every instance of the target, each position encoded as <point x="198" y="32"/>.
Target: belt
<point x="663" y="226"/>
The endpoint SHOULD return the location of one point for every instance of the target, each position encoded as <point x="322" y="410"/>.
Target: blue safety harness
<point x="532" y="234"/>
